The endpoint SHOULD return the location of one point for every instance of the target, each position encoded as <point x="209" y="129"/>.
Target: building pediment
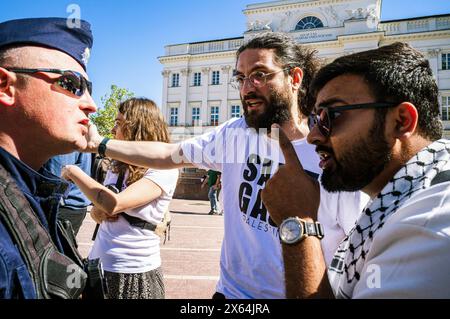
<point x="289" y="16"/>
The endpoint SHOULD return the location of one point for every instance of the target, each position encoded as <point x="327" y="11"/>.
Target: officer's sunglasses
<point x="325" y="115"/>
<point x="71" y="81"/>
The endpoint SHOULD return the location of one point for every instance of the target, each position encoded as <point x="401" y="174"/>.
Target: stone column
<point x="433" y="57"/>
<point x="223" y="116"/>
<point x="205" y="88"/>
<point x="184" y="96"/>
<point x="164" y="107"/>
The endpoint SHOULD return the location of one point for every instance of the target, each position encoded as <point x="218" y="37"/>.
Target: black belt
<point x="137" y="222"/>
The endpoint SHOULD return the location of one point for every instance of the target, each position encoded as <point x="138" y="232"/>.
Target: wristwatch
<point x="294" y="230"/>
<point x="102" y="147"/>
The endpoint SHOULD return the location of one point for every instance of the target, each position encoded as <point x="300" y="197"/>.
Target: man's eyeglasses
<point x="71" y="81"/>
<point x="326" y="115"/>
<point x="257" y="79"/>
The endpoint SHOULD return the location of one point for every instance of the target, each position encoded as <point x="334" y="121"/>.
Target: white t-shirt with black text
<point x="251" y="264"/>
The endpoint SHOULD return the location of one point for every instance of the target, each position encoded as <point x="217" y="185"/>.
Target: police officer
<point x="45" y="100"/>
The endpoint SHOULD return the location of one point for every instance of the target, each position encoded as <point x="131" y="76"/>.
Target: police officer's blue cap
<point x="71" y="37"/>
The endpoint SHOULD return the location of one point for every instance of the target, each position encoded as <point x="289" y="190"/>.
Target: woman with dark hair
<point x="129" y="206"/>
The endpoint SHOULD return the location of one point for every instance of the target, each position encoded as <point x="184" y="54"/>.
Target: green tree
<point x="105" y="116"/>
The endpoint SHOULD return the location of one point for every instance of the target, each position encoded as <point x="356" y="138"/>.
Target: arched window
<point x="309" y="23"/>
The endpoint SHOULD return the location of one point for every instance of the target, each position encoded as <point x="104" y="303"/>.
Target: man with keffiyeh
<point x="377" y="128"/>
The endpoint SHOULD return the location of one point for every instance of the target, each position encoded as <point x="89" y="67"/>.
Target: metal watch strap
<point x="102" y="147"/>
<point x="313" y="229"/>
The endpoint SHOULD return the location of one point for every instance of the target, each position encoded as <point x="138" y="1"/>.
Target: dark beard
<point x="277" y="110"/>
<point x="360" y="164"/>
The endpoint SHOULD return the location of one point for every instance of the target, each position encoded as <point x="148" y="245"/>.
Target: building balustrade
<point x="418" y="25"/>
<point x="204" y="47"/>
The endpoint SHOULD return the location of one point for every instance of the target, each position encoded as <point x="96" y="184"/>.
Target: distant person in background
<point x="213" y="181"/>
<point x="73" y="206"/>
<point x="219" y="196"/>
<point x="129" y="207"/>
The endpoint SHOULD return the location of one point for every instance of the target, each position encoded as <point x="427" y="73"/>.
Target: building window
<point x="214" y="115"/>
<point x="197" y="79"/>
<point x="195" y="116"/>
<point x="446" y="61"/>
<point x="215" y="77"/>
<point x="309" y="23"/>
<point x="235" y="111"/>
<point x="445" y="107"/>
<point x="173" y="116"/>
<point x="175" y="79"/>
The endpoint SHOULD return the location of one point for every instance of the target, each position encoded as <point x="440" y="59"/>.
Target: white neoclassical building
<point x="196" y="89"/>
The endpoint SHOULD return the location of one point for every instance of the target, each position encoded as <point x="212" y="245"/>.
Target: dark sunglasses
<point x="71" y="81"/>
<point x="326" y="115"/>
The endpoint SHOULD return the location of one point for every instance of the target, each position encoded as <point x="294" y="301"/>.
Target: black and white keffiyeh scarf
<point x="345" y="269"/>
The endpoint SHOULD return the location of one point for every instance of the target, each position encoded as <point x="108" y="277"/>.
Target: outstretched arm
<point x="293" y="193"/>
<point x="156" y="155"/>
<point x="137" y="194"/>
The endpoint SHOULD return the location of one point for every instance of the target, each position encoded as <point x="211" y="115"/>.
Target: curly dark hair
<point x="395" y="73"/>
<point x="289" y="53"/>
<point x="143" y="122"/>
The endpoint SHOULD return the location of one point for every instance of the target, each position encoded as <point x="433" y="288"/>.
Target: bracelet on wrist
<point x="102" y="147"/>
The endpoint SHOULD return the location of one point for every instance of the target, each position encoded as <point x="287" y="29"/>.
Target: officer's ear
<point x="8" y="81"/>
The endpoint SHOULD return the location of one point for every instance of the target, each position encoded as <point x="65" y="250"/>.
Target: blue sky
<point x="130" y="35"/>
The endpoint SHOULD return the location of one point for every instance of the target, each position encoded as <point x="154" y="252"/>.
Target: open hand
<point x="93" y="139"/>
<point x="100" y="216"/>
<point x="67" y="171"/>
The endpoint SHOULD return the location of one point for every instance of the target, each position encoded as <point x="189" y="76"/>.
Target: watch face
<point x="290" y="231"/>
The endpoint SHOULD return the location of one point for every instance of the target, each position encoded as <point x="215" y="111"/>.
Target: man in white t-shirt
<point x="378" y="129"/>
<point x="272" y="75"/>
